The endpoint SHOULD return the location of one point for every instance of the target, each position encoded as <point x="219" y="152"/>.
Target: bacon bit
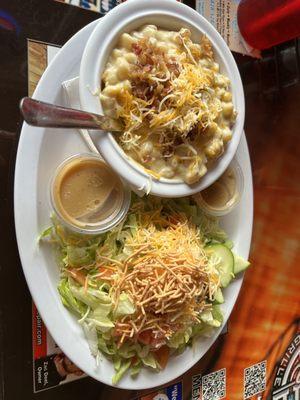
<point x="136" y="48"/>
<point x="147" y="159"/>
<point x="193" y="133"/>
<point x="147" y="68"/>
<point x="174" y="67"/>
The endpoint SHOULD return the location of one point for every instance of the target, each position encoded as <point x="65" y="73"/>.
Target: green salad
<point x="147" y="289"/>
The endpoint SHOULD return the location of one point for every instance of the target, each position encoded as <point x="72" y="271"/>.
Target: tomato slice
<point x="78" y="276"/>
<point x="105" y="273"/>
<point x="162" y="356"/>
<point x="146" y="337"/>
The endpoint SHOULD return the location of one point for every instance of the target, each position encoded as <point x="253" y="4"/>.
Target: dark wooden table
<point x="269" y="301"/>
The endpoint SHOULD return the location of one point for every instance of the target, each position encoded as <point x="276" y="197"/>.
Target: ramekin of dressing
<point x="222" y="196"/>
<point x="87" y="195"/>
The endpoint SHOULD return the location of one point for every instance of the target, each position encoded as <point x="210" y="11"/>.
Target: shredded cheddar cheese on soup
<point x="175" y="105"/>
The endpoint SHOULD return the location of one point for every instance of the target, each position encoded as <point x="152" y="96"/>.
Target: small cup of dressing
<point x="222" y="196"/>
<point x="87" y="195"/>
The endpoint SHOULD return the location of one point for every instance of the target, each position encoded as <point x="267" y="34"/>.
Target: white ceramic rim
<point x="35" y="261"/>
<point x="134" y="14"/>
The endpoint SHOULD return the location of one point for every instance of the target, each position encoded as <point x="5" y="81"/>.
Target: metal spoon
<point x="38" y="113"/>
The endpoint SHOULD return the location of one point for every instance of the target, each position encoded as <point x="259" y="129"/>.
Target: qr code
<point x="255" y="379"/>
<point x="214" y="385"/>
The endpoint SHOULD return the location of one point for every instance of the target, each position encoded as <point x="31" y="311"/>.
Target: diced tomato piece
<point x="105" y="273"/>
<point x="162" y="356"/>
<point x="79" y="276"/>
<point x="146" y="337"/>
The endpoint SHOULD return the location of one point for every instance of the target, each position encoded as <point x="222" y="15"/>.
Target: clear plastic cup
<point x="111" y="217"/>
<point x="233" y="200"/>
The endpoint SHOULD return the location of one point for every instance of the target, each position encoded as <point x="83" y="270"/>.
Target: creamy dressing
<point x="223" y="193"/>
<point x="86" y="191"/>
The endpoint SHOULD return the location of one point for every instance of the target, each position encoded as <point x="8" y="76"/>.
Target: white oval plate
<point x="170" y="15"/>
<point x="40" y="151"/>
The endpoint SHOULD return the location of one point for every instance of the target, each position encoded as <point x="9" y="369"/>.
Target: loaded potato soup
<point x="175" y="105"/>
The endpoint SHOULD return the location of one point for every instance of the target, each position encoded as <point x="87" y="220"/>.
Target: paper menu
<point x="222" y="14"/>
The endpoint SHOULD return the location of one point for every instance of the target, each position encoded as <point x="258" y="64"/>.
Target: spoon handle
<point x="38" y="113"/>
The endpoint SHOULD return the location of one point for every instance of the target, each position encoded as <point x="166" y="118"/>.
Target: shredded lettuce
<point x="121" y="371"/>
<point x="69" y="300"/>
<point x="135" y="369"/>
<point x="99" y="317"/>
<point x="79" y="256"/>
<point x="107" y="346"/>
<point x="102" y="323"/>
<point x="213" y="318"/>
<point x="209" y="227"/>
<point x="180" y="338"/>
<point x="46" y="233"/>
<point x="91" y="337"/>
<point x="149" y="361"/>
<point x="125" y="306"/>
<point x="127" y="350"/>
<point x="142" y="350"/>
<point x="217" y="313"/>
<point x="84" y="296"/>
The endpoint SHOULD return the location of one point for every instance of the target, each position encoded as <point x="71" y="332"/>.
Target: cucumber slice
<point x="217" y="313"/>
<point x="226" y="264"/>
<point x="219" y="298"/>
<point x="239" y="264"/>
<point x="229" y="244"/>
<point x="208" y="318"/>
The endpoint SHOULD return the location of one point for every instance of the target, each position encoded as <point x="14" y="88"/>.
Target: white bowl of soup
<point x="168" y="76"/>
